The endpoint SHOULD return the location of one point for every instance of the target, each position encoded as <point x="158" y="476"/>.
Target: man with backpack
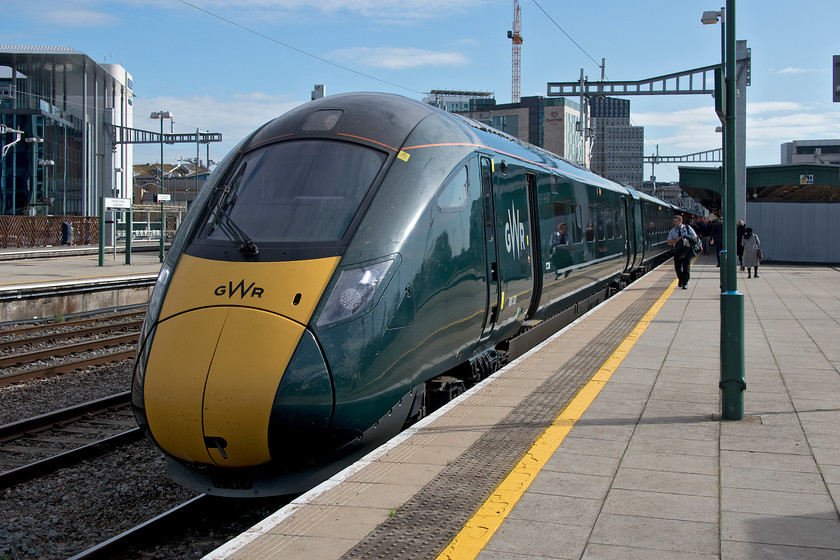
<point x="684" y="240"/>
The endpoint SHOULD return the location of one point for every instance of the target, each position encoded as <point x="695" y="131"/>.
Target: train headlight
<point x="354" y="292"/>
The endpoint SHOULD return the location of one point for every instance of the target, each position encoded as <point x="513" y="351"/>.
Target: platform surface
<point x="643" y="469"/>
<point x="22" y="268"/>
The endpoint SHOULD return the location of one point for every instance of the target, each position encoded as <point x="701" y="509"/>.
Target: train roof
<point x="388" y="119"/>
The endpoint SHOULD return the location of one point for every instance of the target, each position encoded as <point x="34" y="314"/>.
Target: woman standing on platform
<point x="739" y="234"/>
<point x="751" y="244"/>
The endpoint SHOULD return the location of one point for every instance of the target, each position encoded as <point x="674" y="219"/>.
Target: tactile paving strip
<point x="429" y="521"/>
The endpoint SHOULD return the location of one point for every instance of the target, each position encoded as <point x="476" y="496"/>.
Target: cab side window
<point x="455" y="194"/>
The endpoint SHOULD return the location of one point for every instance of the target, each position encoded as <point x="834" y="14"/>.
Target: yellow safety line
<point x="483" y="525"/>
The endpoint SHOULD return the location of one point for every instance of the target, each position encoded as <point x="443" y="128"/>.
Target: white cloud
<point x="792" y="70"/>
<point x="78" y="18"/>
<point x="675" y="118"/>
<point x="763" y="107"/>
<point x="83" y="13"/>
<point x="383" y="11"/>
<point x="397" y="58"/>
<point x="768" y="125"/>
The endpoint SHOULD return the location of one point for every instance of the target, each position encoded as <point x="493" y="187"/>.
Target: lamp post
<point x="35" y="150"/>
<point x="46" y="164"/>
<point x="732" y="366"/>
<point x="162" y="115"/>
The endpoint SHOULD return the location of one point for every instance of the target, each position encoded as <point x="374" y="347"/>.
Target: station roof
<point x="798" y="182"/>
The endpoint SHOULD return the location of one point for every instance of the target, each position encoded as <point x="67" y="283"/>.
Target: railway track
<point x="194" y="527"/>
<point x="37" y="446"/>
<point x="65" y="367"/>
<point x="22" y="332"/>
<point x="8" y="345"/>
<point x="52" y="349"/>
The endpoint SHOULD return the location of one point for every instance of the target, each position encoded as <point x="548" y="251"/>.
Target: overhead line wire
<point x="587" y="54"/>
<point x="301" y="51"/>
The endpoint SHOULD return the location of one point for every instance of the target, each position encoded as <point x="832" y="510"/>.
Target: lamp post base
<point x="732" y="366"/>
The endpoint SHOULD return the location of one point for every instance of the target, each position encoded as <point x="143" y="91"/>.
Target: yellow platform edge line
<point x="478" y="531"/>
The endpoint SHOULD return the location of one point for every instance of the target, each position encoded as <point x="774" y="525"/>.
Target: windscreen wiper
<point x="223" y="220"/>
<point x="236" y="234"/>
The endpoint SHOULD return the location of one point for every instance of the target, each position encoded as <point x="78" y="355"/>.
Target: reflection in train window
<point x="454" y="195"/>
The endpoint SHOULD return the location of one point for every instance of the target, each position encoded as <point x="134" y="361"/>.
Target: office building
<point x="551" y="123"/>
<point x="811" y="151"/>
<point x="617" y="147"/>
<point x="64" y="103"/>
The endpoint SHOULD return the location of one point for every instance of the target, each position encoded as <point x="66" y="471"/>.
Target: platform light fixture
<point x="712" y="17"/>
<point x="46" y="164"/>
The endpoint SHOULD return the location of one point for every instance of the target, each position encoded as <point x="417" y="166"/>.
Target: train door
<point x="492" y="260"/>
<point x="630" y="235"/>
<point x="513" y="231"/>
<point x="536" y="258"/>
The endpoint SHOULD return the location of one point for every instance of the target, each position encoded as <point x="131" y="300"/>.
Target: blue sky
<point x="230" y="65"/>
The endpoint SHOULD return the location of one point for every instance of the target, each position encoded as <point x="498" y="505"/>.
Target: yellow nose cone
<point x="211" y="380"/>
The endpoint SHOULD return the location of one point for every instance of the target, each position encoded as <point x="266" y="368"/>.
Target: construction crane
<point x="516" y="37"/>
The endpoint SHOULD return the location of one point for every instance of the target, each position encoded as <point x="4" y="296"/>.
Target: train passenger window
<point x="590" y="225"/>
<point x="600" y="223"/>
<point x="576" y="220"/>
<point x="454" y="195"/>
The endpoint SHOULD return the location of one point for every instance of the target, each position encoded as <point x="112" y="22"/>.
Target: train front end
<point x="230" y="381"/>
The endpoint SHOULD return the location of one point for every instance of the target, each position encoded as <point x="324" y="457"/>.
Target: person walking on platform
<point x="739" y="234"/>
<point x="705" y="227"/>
<point x="682" y="254"/>
<point x="716" y="234"/>
<point x="751" y="245"/>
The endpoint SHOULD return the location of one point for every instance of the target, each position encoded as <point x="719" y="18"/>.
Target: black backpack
<point x="688" y="245"/>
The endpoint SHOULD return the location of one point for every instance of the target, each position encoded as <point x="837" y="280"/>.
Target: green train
<point x="351" y="264"/>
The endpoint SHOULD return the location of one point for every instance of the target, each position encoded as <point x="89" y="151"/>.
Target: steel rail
<point x="67" y="458"/>
<point x="65" y="367"/>
<point x="98" y="344"/>
<point x="153" y="527"/>
<point x="69" y="334"/>
<point x="51" y="324"/>
<point x="42" y="422"/>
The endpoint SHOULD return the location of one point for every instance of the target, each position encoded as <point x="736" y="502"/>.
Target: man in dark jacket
<point x="682" y="258"/>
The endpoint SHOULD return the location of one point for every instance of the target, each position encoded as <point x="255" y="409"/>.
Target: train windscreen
<point x="294" y="192"/>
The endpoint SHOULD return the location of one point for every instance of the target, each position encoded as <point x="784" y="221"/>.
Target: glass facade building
<point x="66" y="158"/>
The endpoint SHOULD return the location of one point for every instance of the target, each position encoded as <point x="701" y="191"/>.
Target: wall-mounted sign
<point x="117" y="203"/>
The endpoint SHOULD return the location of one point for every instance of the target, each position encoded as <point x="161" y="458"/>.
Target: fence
<point x="39" y="231"/>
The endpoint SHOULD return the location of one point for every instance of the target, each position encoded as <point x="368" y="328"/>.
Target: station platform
<point x="38" y="265"/>
<point x="606" y="442"/>
<point x="45" y="282"/>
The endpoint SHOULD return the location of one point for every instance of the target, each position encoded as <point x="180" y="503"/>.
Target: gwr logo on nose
<point x="239" y="288"/>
